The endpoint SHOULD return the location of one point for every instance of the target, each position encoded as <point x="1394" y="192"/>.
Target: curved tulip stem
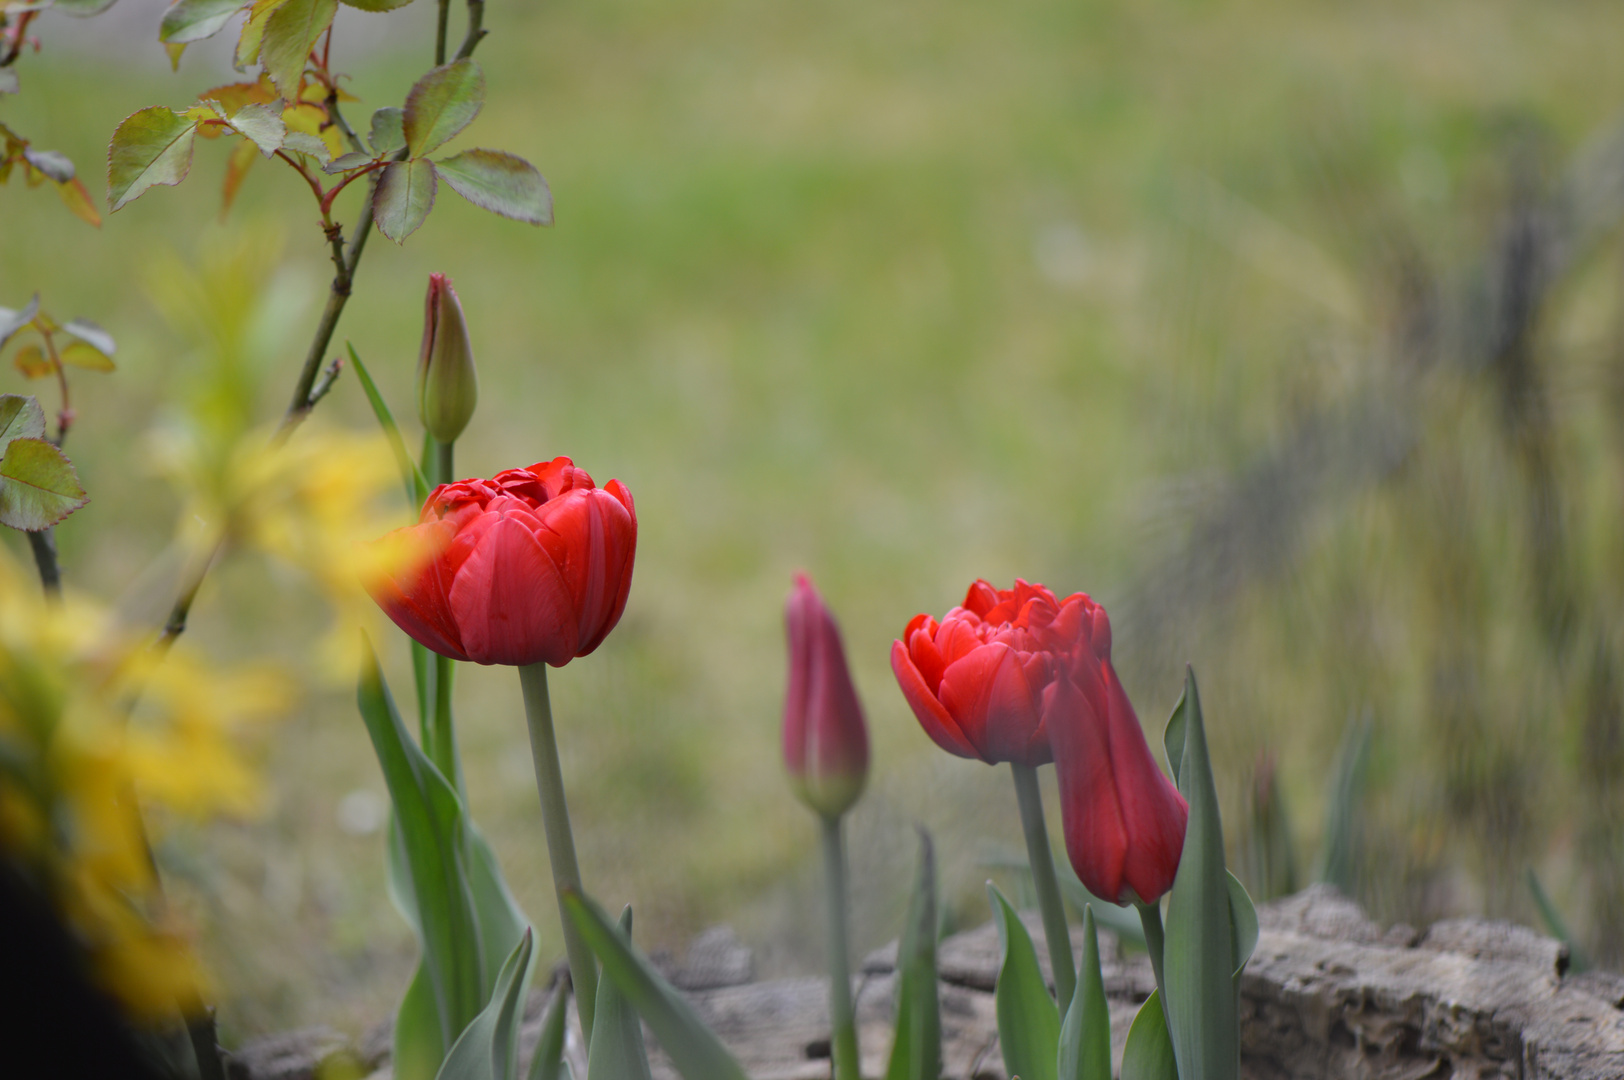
<point x="1041" y="857"/>
<point x="1150" y="917"/>
<point x="555" y="816"/>
<point x="842" y="1021"/>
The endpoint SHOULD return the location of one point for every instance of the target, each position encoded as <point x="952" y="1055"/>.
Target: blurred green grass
<point x="901" y="294"/>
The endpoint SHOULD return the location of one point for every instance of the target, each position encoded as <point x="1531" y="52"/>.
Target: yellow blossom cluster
<point x="94" y="731"/>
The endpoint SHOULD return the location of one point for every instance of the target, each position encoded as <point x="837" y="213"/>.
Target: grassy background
<point x="902" y="294"/>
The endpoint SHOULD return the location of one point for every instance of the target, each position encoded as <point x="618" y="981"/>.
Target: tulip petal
<point x="1090" y="809"/>
<point x="1155" y="813"/>
<point x="512" y="605"/>
<point x="936" y="721"/>
<point x="416" y="599"/>
<point x="987" y="692"/>
<point x="592" y="538"/>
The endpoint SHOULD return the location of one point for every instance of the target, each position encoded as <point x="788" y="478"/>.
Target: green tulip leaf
<point x="151" y="147"/>
<point x="419" y="1047"/>
<point x="693" y="1048"/>
<point x="38" y="486"/>
<point x="488" y="1048"/>
<point x="1339" y="859"/>
<point x="441" y="104"/>
<point x="404" y="197"/>
<point x="1243" y="926"/>
<point x="193" y="20"/>
<point x="430" y="821"/>
<point x="916" y="1051"/>
<point x="548" y="1062"/>
<point x="617" y="1051"/>
<point x="417" y="489"/>
<point x="1173" y="737"/>
<point x="1085" y="1033"/>
<point x="1028" y="1022"/>
<point x="1148" y="1054"/>
<point x="502" y="924"/>
<point x="501" y="183"/>
<point x="1199" y="964"/>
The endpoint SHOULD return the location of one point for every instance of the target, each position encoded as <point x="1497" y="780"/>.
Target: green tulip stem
<point x="555" y="817"/>
<point x="1041" y="857"/>
<point x="842" y="1021"/>
<point x="442" y="743"/>
<point x="1150" y="917"/>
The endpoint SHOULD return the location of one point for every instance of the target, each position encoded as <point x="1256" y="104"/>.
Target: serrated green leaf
<point x="38" y="486"/>
<point x="55" y="165"/>
<point x="431" y="822"/>
<point x="253" y="31"/>
<point x="548" y="1062"/>
<point x="695" y="1051"/>
<point x="1199" y="962"/>
<point x="20" y="418"/>
<point x="13" y="321"/>
<point x="916" y="1051"/>
<point x="92" y="335"/>
<point x="489" y="1048"/>
<point x="290" y="33"/>
<point x="377" y="5"/>
<point x="1243" y="928"/>
<point x="617" y="1051"/>
<point x="345" y="162"/>
<point x="1085" y="1034"/>
<point x="440" y="104"/>
<point x="501" y="183"/>
<point x="81" y="355"/>
<point x="193" y="20"/>
<point x="151" y="147"/>
<point x="302" y="142"/>
<point x="1028" y="1022"/>
<point x="262" y="124"/>
<point x="1148" y="1054"/>
<point x="404" y="197"/>
<point x="387" y="134"/>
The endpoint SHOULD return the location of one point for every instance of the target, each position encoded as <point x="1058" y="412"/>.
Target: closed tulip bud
<point x="447" y="384"/>
<point x="825" y="735"/>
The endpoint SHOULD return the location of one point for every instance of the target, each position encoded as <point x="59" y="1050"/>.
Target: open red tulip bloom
<point x="1123" y="820"/>
<point x="980" y="681"/>
<point x="533" y="564"/>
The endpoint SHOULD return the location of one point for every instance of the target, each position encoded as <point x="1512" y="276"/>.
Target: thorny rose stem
<point x="555" y="816"/>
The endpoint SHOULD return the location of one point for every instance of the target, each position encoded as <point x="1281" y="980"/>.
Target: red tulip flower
<point x="825" y="736"/>
<point x="980" y="681"/>
<point x="531" y="565"/>
<point x="1123" y="820"/>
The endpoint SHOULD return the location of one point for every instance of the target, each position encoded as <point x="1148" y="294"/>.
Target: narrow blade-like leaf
<point x="548" y="1064"/>
<point x="501" y="922"/>
<point x="38" y="486"/>
<point x="1148" y="1054"/>
<point x="501" y="183"/>
<point x="1199" y="957"/>
<point x="695" y="1051"/>
<point x="617" y="1051"/>
<point x="1028" y="1022"/>
<point x="1339" y="859"/>
<point x="417" y="489"/>
<point x="1173" y="737"/>
<point x="419" y="1048"/>
<point x="916" y="1051"/>
<point x="1243" y="926"/>
<point x="442" y="103"/>
<point x="1085" y="1034"/>
<point x="431" y="823"/>
<point x="151" y="147"/>
<point x="404" y="197"/>
<point x="489" y="1047"/>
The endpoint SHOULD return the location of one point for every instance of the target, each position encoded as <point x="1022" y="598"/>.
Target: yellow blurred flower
<point x="78" y="768"/>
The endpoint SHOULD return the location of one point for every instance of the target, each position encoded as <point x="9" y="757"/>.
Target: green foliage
<point x="441" y="104"/>
<point x="499" y="182"/>
<point x="291" y="31"/>
<point x="548" y="1062"/>
<point x="38" y="486"/>
<point x="387" y="134"/>
<point x="617" y="1051"/>
<point x="1085" y="1033"/>
<point x="695" y="1051"/>
<point x="1028" y="1022"/>
<point x="1339" y="854"/>
<point x="916" y="1050"/>
<point x="1199" y="958"/>
<point x="151" y="147"/>
<point x="404" y="197"/>
<point x="1556" y="925"/>
<point x="193" y="20"/>
<point x="1148" y="1054"/>
<point x="488" y="1048"/>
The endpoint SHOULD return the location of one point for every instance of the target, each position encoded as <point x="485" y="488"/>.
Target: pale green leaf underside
<point x="501" y="183"/>
<point x="38" y="486"/>
<point x="151" y="147"/>
<point x="404" y="197"/>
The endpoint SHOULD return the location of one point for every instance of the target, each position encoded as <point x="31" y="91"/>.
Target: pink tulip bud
<point x="825" y="736"/>
<point x="447" y="384"/>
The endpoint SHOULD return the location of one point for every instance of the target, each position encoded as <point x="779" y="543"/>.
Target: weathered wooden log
<point x="1328" y="994"/>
